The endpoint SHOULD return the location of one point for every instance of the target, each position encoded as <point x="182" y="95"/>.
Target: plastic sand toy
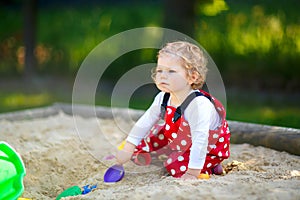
<point x="114" y="174"/>
<point x="218" y="170"/>
<point x="88" y="188"/>
<point x="76" y="190"/>
<point x="203" y="176"/>
<point x="142" y="158"/>
<point x="121" y="146"/>
<point x="12" y="172"/>
<point x="71" y="191"/>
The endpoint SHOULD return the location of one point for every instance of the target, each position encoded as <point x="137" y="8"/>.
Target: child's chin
<point x="165" y="90"/>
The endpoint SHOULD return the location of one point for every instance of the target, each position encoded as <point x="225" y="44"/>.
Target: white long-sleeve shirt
<point x="201" y="116"/>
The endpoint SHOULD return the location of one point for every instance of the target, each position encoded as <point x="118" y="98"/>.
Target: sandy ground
<point x="60" y="152"/>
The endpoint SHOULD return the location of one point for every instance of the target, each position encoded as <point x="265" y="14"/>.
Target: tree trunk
<point x="179" y="15"/>
<point x="30" y="18"/>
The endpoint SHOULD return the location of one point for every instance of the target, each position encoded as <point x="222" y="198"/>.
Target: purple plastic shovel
<point x="114" y="174"/>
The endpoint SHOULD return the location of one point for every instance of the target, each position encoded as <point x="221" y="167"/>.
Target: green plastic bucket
<point x="12" y="172"/>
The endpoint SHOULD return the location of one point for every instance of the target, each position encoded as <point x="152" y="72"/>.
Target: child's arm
<point x="139" y="130"/>
<point x="198" y="114"/>
<point x="125" y="154"/>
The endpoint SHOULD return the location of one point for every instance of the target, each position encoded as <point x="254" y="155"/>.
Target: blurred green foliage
<point x="66" y="35"/>
<point x="258" y="38"/>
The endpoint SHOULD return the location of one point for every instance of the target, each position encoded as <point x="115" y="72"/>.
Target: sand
<point x="60" y="152"/>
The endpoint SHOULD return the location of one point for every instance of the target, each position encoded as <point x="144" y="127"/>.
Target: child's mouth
<point x="163" y="83"/>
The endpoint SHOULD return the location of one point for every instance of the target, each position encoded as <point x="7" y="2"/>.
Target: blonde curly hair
<point x="193" y="58"/>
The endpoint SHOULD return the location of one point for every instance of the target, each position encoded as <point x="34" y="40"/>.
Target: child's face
<point x="171" y="75"/>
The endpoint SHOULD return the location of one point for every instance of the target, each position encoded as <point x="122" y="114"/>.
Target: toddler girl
<point x="184" y="123"/>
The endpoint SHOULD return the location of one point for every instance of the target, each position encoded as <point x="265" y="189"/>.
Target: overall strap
<point x="180" y="109"/>
<point x="164" y="104"/>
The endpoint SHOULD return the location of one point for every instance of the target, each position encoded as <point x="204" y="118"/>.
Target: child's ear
<point x="194" y="77"/>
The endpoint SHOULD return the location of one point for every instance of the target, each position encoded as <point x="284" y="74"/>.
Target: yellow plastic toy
<point x="203" y="176"/>
<point x="121" y="146"/>
<point x="12" y="172"/>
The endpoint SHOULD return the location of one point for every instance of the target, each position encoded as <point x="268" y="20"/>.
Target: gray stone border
<point x="274" y="137"/>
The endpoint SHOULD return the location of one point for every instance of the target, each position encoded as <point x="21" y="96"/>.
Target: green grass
<point x="287" y="116"/>
<point x="238" y="108"/>
<point x="271" y="108"/>
<point x="14" y="101"/>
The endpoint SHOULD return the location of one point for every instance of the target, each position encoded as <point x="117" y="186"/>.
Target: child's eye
<point x="172" y="71"/>
<point x="158" y="71"/>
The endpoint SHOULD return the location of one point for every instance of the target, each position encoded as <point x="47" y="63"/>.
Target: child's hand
<point x="188" y="177"/>
<point x="125" y="154"/>
<point x="191" y="174"/>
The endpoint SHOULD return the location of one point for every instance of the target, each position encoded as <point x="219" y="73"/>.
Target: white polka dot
<point x="182" y="168"/>
<point x="154" y="132"/>
<point x="222" y="131"/>
<point x="146" y="149"/>
<point x="167" y="127"/>
<point x="178" y="147"/>
<point x="226" y="153"/>
<point x="215" y="135"/>
<point x="227" y="131"/>
<point x="169" y="161"/>
<point x="225" y="146"/>
<point x="161" y="136"/>
<point x="212" y="146"/>
<point x="213" y="157"/>
<point x="180" y="158"/>
<point x="169" y="111"/>
<point x="183" y="142"/>
<point x="173" y="171"/>
<point x="208" y="165"/>
<point x="184" y="124"/>
<point x="220" y="154"/>
<point x="155" y="144"/>
<point x="221" y="139"/>
<point x="174" y="135"/>
<point x="148" y="139"/>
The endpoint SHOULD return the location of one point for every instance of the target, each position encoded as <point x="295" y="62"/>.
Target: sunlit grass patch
<point x="287" y="116"/>
<point x="18" y="100"/>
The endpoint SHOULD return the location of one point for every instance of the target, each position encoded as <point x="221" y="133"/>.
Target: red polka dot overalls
<point x="172" y="138"/>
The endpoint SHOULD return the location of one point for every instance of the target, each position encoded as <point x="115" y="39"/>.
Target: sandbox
<point x="61" y="150"/>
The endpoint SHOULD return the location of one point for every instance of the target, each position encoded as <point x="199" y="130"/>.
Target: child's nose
<point x="164" y="74"/>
